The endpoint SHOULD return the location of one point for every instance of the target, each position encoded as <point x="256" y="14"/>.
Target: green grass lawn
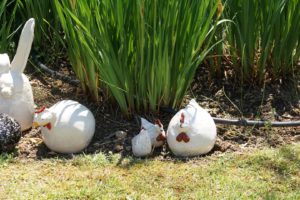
<point x="259" y="174"/>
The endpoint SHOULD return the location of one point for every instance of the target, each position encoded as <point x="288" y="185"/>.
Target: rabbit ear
<point x="4" y="63"/>
<point x="24" y="46"/>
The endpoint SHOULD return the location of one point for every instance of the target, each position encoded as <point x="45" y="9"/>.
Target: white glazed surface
<point x="16" y="98"/>
<point x="153" y="130"/>
<point x="141" y="144"/>
<point x="73" y="128"/>
<point x="4" y="63"/>
<point x="200" y="128"/>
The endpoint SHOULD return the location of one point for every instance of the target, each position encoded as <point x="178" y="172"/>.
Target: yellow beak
<point x="35" y="124"/>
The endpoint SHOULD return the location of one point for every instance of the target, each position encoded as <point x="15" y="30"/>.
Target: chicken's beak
<point x="35" y="124"/>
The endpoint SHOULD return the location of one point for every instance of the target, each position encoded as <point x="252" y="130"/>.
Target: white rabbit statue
<point x="16" y="98"/>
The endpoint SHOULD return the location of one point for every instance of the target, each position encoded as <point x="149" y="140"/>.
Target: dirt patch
<point x="223" y="98"/>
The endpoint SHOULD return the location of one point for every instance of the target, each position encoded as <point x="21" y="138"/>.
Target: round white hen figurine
<point x="191" y="131"/>
<point x="141" y="144"/>
<point x="67" y="126"/>
<point x="16" y="98"/>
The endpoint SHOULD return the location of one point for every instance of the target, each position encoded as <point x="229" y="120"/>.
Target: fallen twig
<point x="55" y="74"/>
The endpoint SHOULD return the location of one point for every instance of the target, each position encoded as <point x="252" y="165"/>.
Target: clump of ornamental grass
<point x="144" y="53"/>
<point x="262" y="38"/>
<point x="8" y="11"/>
<point x="48" y="24"/>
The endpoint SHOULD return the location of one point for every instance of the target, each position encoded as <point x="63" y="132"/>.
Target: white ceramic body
<point x="19" y="104"/>
<point x="153" y="131"/>
<point x="200" y="128"/>
<point x="141" y="144"/>
<point x="72" y="130"/>
<point x="4" y="63"/>
<point x="16" y="98"/>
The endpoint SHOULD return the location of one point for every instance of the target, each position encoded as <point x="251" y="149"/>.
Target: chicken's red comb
<point x="158" y="122"/>
<point x="40" y="110"/>
<point x="182" y="118"/>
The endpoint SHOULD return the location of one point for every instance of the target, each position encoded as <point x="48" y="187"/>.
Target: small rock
<point x="296" y="138"/>
<point x="128" y="148"/>
<point x="118" y="148"/>
<point x="66" y="71"/>
<point x="120" y="134"/>
<point x="240" y="141"/>
<point x="244" y="145"/>
<point x="96" y="145"/>
<point x="58" y="83"/>
<point x="234" y="147"/>
<point x="222" y="145"/>
<point x="35" y="141"/>
<point x="34" y="84"/>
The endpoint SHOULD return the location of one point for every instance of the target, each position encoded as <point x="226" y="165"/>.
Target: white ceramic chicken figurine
<point x="16" y="97"/>
<point x="191" y="131"/>
<point x="155" y="131"/>
<point x="67" y="126"/>
<point x="151" y="135"/>
<point x="141" y="144"/>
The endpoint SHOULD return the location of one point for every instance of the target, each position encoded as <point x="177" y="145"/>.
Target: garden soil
<point x="224" y="97"/>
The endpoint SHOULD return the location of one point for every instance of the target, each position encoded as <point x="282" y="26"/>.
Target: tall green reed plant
<point x="8" y="10"/>
<point x="285" y="51"/>
<point x="263" y="38"/>
<point x="243" y="35"/>
<point x="214" y="61"/>
<point x="80" y="42"/>
<point x="14" y="13"/>
<point x="47" y="23"/>
<point x="145" y="52"/>
<point x="270" y="13"/>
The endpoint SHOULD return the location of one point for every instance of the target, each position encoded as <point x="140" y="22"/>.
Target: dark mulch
<point x="223" y="97"/>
